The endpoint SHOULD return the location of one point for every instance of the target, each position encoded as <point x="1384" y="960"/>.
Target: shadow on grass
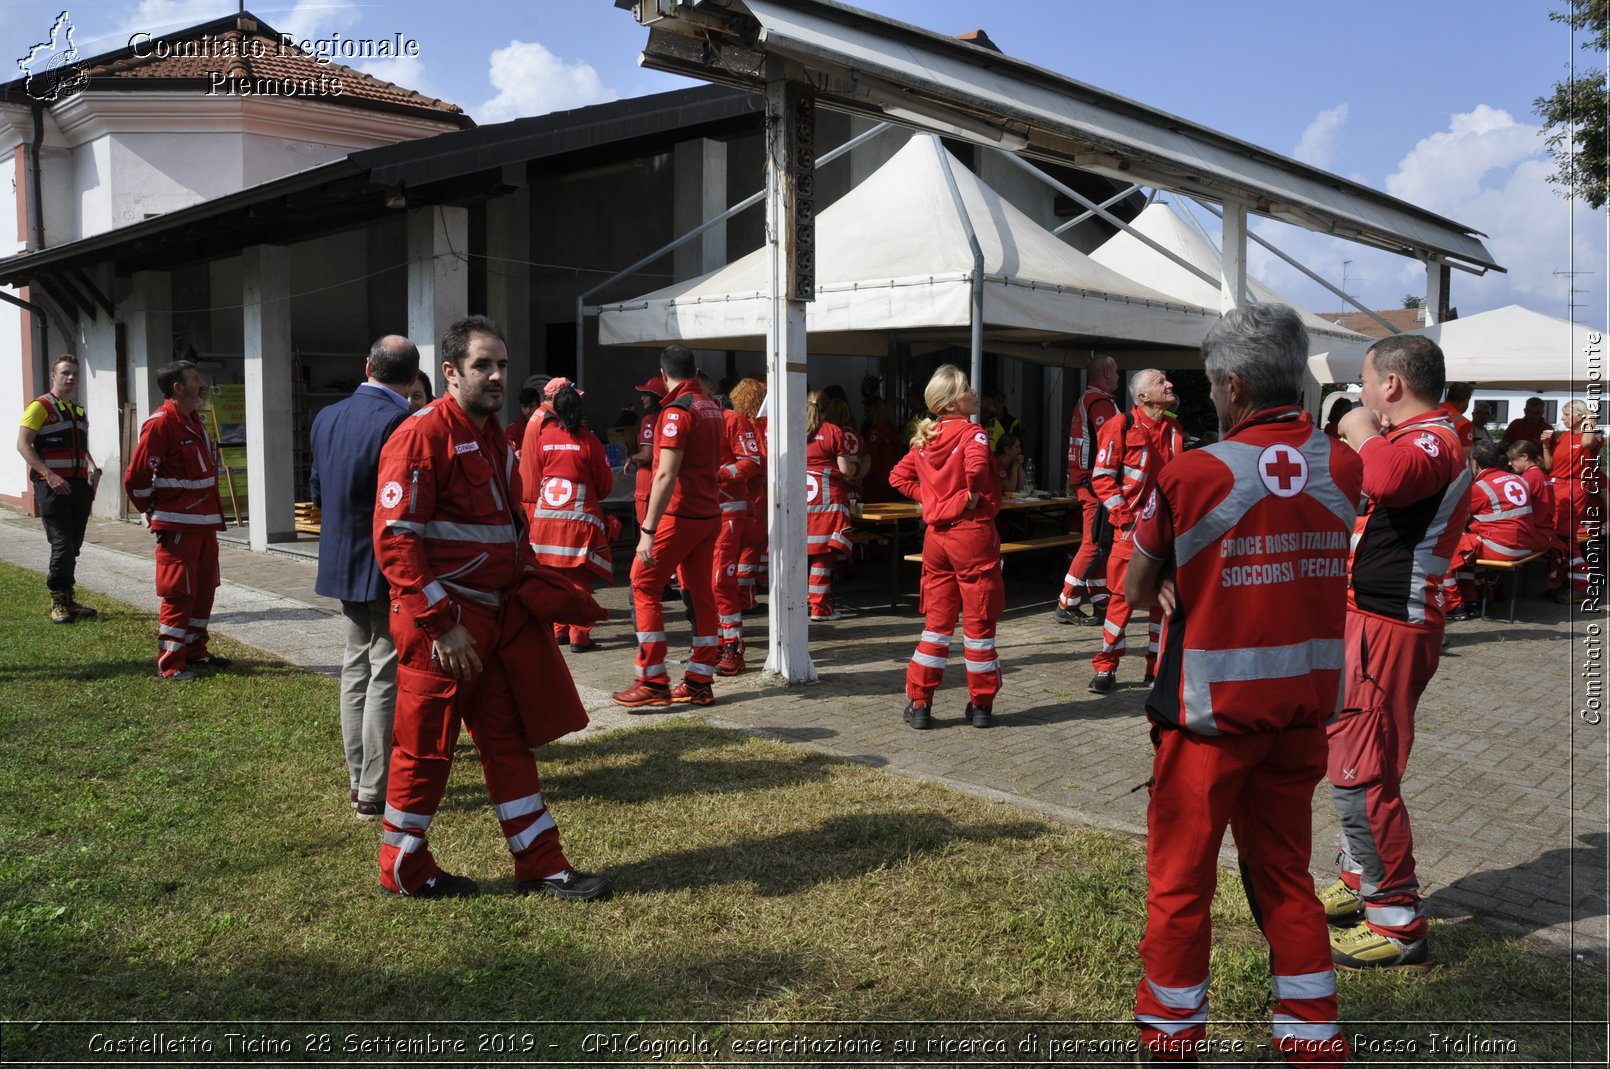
<point x="838" y="848"/>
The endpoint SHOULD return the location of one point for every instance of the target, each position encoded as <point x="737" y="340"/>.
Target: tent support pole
<point x="1104" y="205"/>
<point x="1288" y="259"/>
<point x="790" y="128"/>
<point x="1080" y="198"/>
<point x="976" y="375"/>
<point x="584" y="309"/>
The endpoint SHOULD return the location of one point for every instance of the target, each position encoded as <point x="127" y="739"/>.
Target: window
<point x="1500" y="409"/>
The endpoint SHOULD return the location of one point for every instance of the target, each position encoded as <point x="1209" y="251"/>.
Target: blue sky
<point x="1430" y="101"/>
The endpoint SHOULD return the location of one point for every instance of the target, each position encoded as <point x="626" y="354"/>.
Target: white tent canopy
<point x="1510" y="347"/>
<point x="892" y="255"/>
<point x="1133" y="258"/>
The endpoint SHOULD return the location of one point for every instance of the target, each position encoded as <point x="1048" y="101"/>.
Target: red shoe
<point x="686" y="693"/>
<point x="732" y="660"/>
<point x="641" y="694"/>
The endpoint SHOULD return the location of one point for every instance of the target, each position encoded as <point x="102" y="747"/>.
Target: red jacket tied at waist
<point x="173" y="475"/>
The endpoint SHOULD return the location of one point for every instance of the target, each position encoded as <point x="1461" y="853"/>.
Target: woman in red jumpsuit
<point x="884" y="449"/>
<point x="830" y="464"/>
<point x="747" y="398"/>
<point x="565" y="477"/>
<point x="952" y="473"/>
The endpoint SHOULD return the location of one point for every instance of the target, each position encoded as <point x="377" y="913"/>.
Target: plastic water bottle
<point x="1028" y="476"/>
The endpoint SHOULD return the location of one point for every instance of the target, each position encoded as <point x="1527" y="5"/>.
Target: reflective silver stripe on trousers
<point x="404" y="841"/>
<point x="979" y="643"/>
<point x="984" y="666"/>
<point x="404" y="819"/>
<point x="1203" y="668"/>
<point x="1179" y="998"/>
<point x="199" y="621"/>
<point x="208" y="520"/>
<point x="645" y="637"/>
<point x="523" y="841"/>
<point x="520" y="806"/>
<point x="1391" y="916"/>
<point x="936" y="638"/>
<point x="704" y="640"/>
<point x="701" y="671"/>
<point x="1285" y="1026"/>
<point x="928" y="660"/>
<point x="651" y="671"/>
<point x="481" y="597"/>
<point x="171" y="632"/>
<point x="170" y="645"/>
<point x="1306" y="985"/>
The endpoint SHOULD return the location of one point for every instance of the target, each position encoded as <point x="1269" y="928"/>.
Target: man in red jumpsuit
<point x="472" y="623"/>
<point x="1087" y="573"/>
<point x="173" y="478"/>
<point x="679" y="532"/>
<point x="1417" y="484"/>
<point x="1132" y="449"/>
<point x="742" y="463"/>
<point x="1244" y="544"/>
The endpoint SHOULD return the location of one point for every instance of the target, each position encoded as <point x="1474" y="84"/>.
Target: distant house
<point x="1402" y="319"/>
<point x="156" y="127"/>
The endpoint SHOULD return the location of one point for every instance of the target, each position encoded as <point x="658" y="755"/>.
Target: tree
<point x="1411" y="301"/>
<point x="1577" y="115"/>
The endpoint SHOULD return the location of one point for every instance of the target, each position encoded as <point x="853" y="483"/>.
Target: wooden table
<point x="894" y="513"/>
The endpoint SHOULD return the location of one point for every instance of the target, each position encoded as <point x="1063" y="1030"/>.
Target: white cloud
<point x="406" y="71"/>
<point x="1317" y="146"/>
<point x="158" y="17"/>
<point x="531" y="80"/>
<point x="1487" y="171"/>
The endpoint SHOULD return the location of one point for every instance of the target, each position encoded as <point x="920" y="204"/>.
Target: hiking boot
<point x="1103" y="683"/>
<point x="1464" y="612"/>
<point x="1362" y="947"/>
<point x="1343" y="905"/>
<point x="215" y="662"/>
<point x="59" y="611"/>
<point x="583" y="647"/>
<point x="732" y="660"/>
<point x="919" y="715"/>
<point x="643" y="694"/>
<point x="979" y="715"/>
<point x="183" y="675"/>
<point x="688" y="692"/>
<point x="1070" y="615"/>
<point x="446" y="885"/>
<point x="369" y="810"/>
<point x="80" y="612"/>
<point x="577" y="886"/>
<point x="827" y="618"/>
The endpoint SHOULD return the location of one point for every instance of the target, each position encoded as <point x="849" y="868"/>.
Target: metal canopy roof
<point x="876" y="66"/>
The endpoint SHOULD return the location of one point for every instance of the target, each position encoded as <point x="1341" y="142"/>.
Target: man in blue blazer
<point x="346" y="439"/>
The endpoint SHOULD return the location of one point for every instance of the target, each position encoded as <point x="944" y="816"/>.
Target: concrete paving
<point x="1507" y="787"/>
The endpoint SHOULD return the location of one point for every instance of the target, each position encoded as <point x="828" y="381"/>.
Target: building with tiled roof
<point x="1402" y="319"/>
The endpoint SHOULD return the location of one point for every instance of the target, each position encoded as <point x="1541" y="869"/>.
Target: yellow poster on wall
<point x="226" y="424"/>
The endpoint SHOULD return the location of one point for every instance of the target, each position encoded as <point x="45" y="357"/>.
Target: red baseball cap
<point x="655" y="386"/>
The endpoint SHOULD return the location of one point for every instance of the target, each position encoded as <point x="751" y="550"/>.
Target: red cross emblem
<point x="1283" y="470"/>
<point x="557" y="493"/>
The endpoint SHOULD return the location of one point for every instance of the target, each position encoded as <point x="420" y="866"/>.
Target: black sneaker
<point x="919" y="715"/>
<point x="1103" y="683"/>
<point x="446" y="885"/>
<point x="183" y="675"/>
<point x="214" y="662"/>
<point x="1069" y="616"/>
<point x="979" y="715"/>
<point x="1151" y="678"/>
<point x="573" y="885"/>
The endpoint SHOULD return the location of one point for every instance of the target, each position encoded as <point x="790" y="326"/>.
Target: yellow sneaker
<point x="1343" y="905"/>
<point x="1363" y="947"/>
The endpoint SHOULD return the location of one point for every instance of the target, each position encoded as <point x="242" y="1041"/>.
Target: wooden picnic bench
<point x="1514" y="569"/>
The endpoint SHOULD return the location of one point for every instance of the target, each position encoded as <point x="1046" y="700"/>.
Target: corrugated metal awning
<point x="879" y="67"/>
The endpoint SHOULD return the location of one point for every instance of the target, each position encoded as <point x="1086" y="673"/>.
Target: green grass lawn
<point x="187" y="853"/>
